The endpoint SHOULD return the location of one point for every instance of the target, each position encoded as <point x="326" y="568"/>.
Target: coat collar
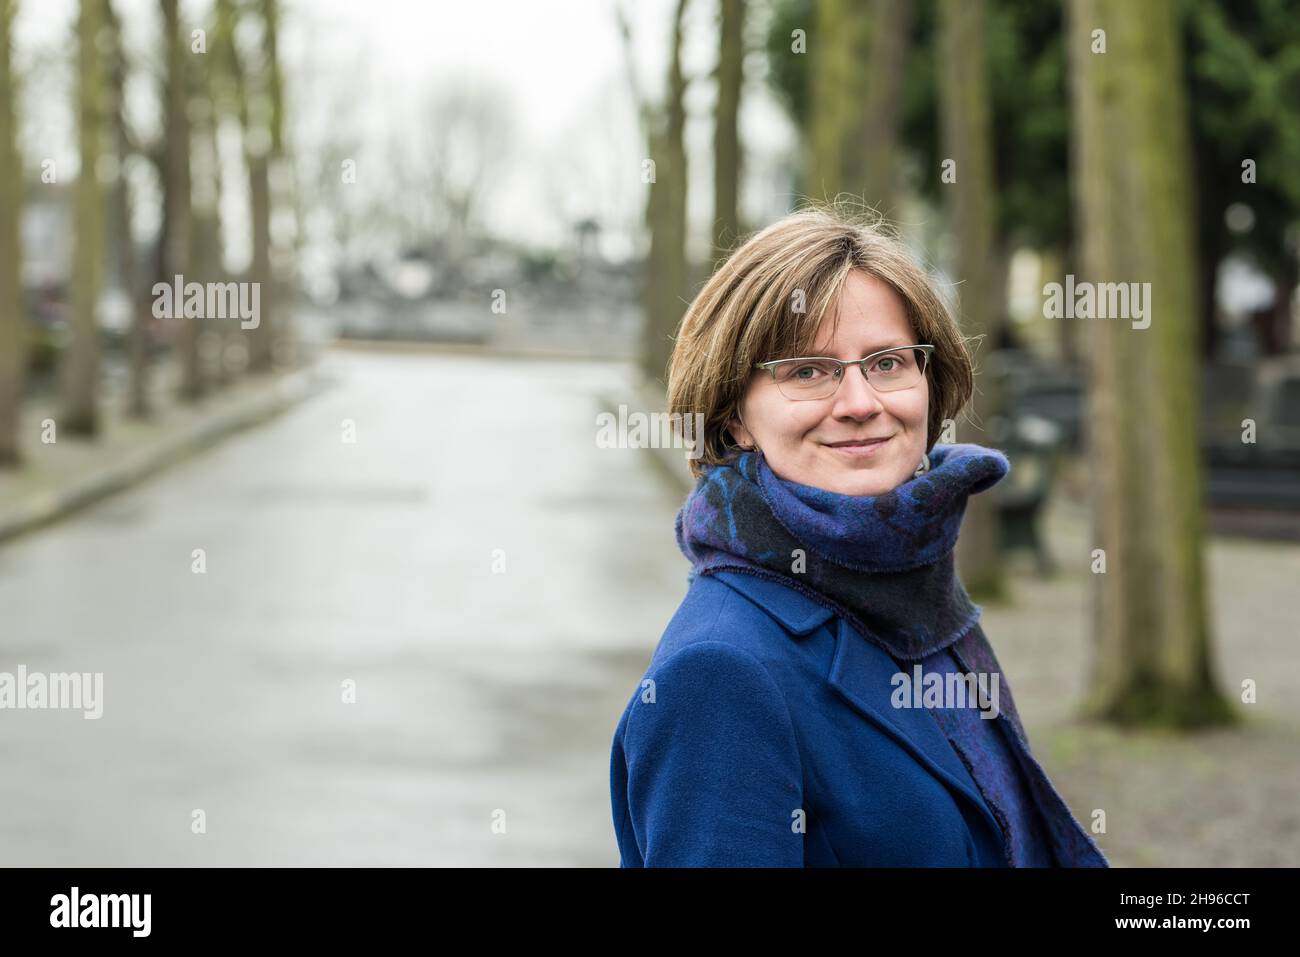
<point x="797" y="613"/>
<point x="862" y="675"/>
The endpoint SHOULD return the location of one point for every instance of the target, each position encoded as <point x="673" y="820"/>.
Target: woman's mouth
<point x="859" y="449"/>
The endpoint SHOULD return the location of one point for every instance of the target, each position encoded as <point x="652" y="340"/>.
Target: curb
<point x="48" y="505"/>
<point x="643" y="397"/>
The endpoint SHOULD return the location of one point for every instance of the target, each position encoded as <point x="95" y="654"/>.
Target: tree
<point x="846" y="92"/>
<point x="967" y="138"/>
<point x="1134" y="200"/>
<point x="273" y="342"/>
<point x="726" y="134"/>
<point x="833" y="94"/>
<point x="1242" y="74"/>
<point x="177" y="255"/>
<point x="1240" y="71"/>
<point x="1026" y="100"/>
<point x="80" y="371"/>
<point x="124" y="147"/>
<point x="12" y="328"/>
<point x="666" y="280"/>
<point x="463" y="144"/>
<point x="228" y="90"/>
<point x="261" y="114"/>
<point x="878" y="142"/>
<point x="205" y="220"/>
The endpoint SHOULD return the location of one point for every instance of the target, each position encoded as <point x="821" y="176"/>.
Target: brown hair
<point x="746" y="313"/>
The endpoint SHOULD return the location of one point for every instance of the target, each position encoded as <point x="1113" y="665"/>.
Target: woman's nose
<point x="856" y="396"/>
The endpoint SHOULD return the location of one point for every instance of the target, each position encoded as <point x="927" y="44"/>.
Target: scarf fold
<point x="885" y="564"/>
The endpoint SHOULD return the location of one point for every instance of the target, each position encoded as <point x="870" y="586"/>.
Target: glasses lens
<point x="896" y="370"/>
<point x="807" y="378"/>
<point x="819" y="378"/>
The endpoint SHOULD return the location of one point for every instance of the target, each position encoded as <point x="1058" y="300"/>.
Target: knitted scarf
<point x="885" y="564"/>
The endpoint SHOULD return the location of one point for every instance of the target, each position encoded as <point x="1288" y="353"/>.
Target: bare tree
<point x="466" y="140"/>
<point x="125" y="147"/>
<point x="13" y="353"/>
<point x="260" y="93"/>
<point x="666" y="281"/>
<point x="205" y="218"/>
<point x="227" y="91"/>
<point x="726" y="132"/>
<point x="177" y="255"/>
<point x="80" y="371"/>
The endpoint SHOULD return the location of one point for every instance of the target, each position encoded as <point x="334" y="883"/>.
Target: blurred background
<point x="311" y="312"/>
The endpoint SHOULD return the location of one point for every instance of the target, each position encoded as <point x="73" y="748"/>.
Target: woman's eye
<point x="812" y="372"/>
<point x="892" y="367"/>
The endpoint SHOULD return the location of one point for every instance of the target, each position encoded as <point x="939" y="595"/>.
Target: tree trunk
<point x="13" y="339"/>
<point x="1212" y="248"/>
<point x="229" y="98"/>
<point x="967" y="138"/>
<point x="726" y="135"/>
<point x="280" y="182"/>
<point x="1133" y="197"/>
<point x="1276" y="339"/>
<point x="205" y="221"/>
<point x="177" y="252"/>
<point x="666" y="276"/>
<point x="266" y="129"/>
<point x="80" y="372"/>
<point x="831" y="48"/>
<point x="1052" y="268"/>
<point x="878" y="141"/>
<point x="259" y="193"/>
<point x="128" y="266"/>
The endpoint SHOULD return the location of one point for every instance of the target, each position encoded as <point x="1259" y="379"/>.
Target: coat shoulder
<point x="706" y="768"/>
<point x="722" y="608"/>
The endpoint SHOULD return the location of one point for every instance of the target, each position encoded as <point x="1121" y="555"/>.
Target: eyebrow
<point x="871" y="351"/>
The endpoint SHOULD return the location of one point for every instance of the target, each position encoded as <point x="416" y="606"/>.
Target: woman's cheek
<point x="918" y="410"/>
<point x="803" y="420"/>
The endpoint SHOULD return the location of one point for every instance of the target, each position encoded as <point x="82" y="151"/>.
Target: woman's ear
<point x="740" y="433"/>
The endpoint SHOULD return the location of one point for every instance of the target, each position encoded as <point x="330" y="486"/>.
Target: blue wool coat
<point x="763" y="735"/>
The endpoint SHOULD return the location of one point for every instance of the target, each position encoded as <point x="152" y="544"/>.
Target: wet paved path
<point x="476" y="690"/>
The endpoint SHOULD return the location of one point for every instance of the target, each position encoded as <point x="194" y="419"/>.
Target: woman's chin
<point x="859" y="471"/>
<point x="860" y="478"/>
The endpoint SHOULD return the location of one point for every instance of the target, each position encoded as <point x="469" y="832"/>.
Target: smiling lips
<point x="858" y="443"/>
<point x="859" y="448"/>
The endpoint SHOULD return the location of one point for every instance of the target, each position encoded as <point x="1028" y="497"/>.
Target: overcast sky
<point x="575" y="149"/>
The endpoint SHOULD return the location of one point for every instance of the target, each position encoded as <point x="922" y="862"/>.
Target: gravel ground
<point x="1222" y="798"/>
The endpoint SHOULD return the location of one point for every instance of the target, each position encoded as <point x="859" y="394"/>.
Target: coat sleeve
<point x="714" y="774"/>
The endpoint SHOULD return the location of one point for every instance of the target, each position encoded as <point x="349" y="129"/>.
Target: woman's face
<point x="798" y="436"/>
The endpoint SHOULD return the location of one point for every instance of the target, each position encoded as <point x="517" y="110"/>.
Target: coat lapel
<point x="862" y="675"/>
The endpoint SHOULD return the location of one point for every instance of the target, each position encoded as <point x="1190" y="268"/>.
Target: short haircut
<point x="748" y="312"/>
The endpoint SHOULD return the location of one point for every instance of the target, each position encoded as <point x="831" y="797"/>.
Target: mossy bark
<point x="967" y="136"/>
<point x="877" y="148"/>
<point x="1154" y="662"/>
<point x="834" y="94"/>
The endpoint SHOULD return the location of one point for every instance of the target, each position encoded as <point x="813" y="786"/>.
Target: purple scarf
<point x="885" y="564"/>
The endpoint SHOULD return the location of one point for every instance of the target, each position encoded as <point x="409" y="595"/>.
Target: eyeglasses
<point x="818" y="377"/>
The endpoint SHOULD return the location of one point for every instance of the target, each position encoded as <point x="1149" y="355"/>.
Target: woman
<point x="824" y="695"/>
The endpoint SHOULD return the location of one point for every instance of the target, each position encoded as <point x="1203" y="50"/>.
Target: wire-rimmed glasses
<point x="818" y="377"/>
